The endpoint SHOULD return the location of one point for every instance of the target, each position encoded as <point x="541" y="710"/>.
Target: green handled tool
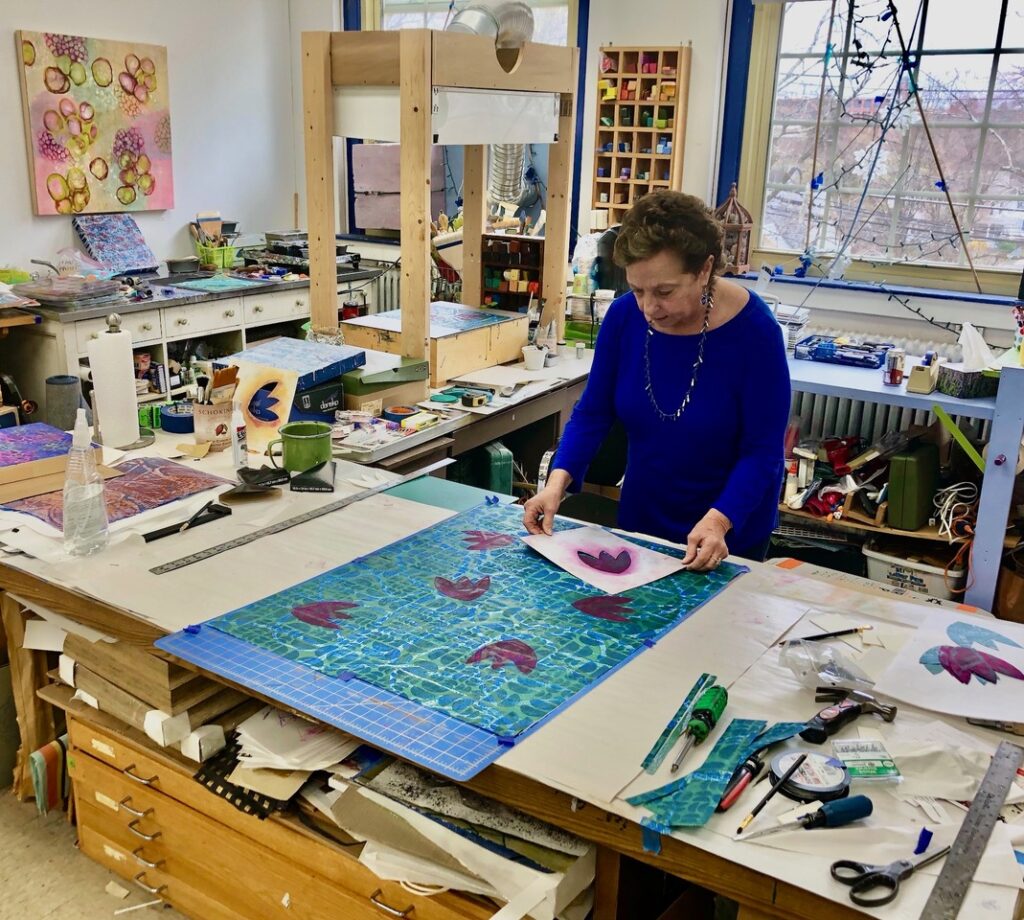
<point x="706" y="712"/>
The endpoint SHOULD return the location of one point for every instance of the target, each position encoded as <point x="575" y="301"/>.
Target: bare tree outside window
<point x="874" y="191"/>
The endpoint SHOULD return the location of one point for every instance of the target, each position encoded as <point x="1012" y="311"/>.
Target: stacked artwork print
<point x="97" y="123"/>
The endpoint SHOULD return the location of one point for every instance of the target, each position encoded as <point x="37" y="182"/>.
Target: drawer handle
<point x="134" y="829"/>
<point x="390" y="911"/>
<point x="142" y="861"/>
<point x="94" y="335"/>
<point x="300" y="302"/>
<point x="182" y="321"/>
<point x="229" y="313"/>
<point x="257" y="309"/>
<point x="145" y="327"/>
<point x="140" y="881"/>
<point x="127" y="771"/>
<point x="134" y="812"/>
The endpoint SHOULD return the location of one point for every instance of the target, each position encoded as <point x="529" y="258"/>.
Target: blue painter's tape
<point x="923" y="840"/>
<point x="346" y="675"/>
<point x="193" y="629"/>
<point x="651" y="839"/>
<point x="506" y="740"/>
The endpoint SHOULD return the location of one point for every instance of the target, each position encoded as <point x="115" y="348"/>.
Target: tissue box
<point x="955" y="381"/>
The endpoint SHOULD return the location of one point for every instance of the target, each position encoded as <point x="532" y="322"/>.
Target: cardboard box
<point x="402" y="394"/>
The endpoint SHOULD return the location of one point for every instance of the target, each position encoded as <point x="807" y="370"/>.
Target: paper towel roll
<point x="113" y="380"/>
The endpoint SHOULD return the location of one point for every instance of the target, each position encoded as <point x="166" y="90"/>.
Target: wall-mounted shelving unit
<point x="641" y="124"/>
<point x="512" y="270"/>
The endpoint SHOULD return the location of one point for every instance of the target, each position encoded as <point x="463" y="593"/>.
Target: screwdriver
<point x="832" y="814"/>
<point x="706" y="712"/>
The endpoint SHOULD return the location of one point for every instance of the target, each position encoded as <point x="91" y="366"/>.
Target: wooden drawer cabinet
<point x="276" y="306"/>
<point x="145" y="329"/>
<point x="189" y="319"/>
<point x="149" y="807"/>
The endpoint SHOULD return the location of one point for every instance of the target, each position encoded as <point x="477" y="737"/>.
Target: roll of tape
<point x="398" y="413"/>
<point x="444" y="398"/>
<point x="177" y="418"/>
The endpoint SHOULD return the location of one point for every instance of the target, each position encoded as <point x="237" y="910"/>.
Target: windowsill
<point x="902" y="290"/>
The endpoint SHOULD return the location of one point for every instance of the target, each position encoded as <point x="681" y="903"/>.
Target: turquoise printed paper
<point x="466" y="619"/>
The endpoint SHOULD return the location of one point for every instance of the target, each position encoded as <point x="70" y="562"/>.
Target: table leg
<point x="606" y="884"/>
<point x="28" y="673"/>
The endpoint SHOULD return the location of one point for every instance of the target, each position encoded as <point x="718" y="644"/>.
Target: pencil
<point x="793" y="767"/>
<point x="817" y="637"/>
<point x="195" y="517"/>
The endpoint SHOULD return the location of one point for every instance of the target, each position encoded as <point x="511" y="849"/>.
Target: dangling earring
<point x="705" y="298"/>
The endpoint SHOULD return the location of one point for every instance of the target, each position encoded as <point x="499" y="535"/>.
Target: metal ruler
<point x="288" y="523"/>
<point x="948" y="894"/>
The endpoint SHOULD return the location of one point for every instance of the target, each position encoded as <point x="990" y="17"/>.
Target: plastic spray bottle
<point x="85" y="510"/>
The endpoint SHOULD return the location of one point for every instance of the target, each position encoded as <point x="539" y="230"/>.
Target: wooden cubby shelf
<point x="641" y="124"/>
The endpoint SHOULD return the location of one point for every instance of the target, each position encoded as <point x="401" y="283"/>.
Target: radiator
<point x="386" y="289"/>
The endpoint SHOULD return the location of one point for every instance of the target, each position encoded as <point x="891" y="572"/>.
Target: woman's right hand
<point x="539" y="511"/>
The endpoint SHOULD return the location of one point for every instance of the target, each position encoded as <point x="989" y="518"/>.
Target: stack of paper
<point x="277" y="740"/>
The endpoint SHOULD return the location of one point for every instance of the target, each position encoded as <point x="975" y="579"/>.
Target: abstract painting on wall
<point x="97" y="123"/>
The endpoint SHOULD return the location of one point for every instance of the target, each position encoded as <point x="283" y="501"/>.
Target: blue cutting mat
<point x="428" y="738"/>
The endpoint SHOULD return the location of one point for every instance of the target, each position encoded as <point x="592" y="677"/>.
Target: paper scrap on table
<point x="43" y="636"/>
<point x="116" y="891"/>
<point x="275" y="784"/>
<point x="965" y="669"/>
<point x="277" y="740"/>
<point x="603" y="559"/>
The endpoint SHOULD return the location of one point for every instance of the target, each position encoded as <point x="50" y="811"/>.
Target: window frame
<point x="756" y="149"/>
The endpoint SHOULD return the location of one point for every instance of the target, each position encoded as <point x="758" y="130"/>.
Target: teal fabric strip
<point x="695" y="802"/>
<point x="676" y="725"/>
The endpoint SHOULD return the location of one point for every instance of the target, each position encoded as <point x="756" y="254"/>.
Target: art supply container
<point x="63" y="398"/>
<point x="892" y="370"/>
<point x="303" y="446"/>
<point x="533" y="357"/>
<point x="212" y="424"/>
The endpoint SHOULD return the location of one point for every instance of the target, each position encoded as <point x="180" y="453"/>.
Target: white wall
<point x="231" y="115"/>
<point x="655" y="23"/>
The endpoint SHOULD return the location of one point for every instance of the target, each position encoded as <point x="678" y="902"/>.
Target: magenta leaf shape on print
<point x="506" y="651"/>
<point x="463" y="589"/>
<point x="605" y="607"/>
<point x="606" y="562"/>
<point x="965" y="663"/>
<point x="486" y="539"/>
<point x="324" y="614"/>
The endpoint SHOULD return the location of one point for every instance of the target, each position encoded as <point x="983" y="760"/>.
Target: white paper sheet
<point x="44" y="636"/>
<point x="603" y="559"/>
<point x="992" y="671"/>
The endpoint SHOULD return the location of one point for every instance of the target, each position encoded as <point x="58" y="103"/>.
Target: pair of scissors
<point x="873" y="886"/>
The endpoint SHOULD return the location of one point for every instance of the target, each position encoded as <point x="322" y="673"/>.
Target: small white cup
<point x="534" y="357"/>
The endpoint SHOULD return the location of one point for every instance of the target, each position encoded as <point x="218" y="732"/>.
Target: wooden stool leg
<point x="606" y="884"/>
<point x="28" y="674"/>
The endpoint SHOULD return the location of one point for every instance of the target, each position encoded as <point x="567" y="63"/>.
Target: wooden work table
<point x="766" y="882"/>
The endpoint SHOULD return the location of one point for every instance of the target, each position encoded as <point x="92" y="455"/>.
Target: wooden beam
<point x="318" y="114"/>
<point x="28" y="674"/>
<point x="474" y="212"/>
<point x="556" y="233"/>
<point x="416" y="137"/>
<point x="682" y="104"/>
<point x="365" y="58"/>
<point x="606" y="884"/>
<point x="472" y="61"/>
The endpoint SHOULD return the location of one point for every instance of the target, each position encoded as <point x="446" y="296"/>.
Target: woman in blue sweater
<point x="695" y="369"/>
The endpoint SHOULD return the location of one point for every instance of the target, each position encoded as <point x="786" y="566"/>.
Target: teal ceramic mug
<point x="303" y="446"/>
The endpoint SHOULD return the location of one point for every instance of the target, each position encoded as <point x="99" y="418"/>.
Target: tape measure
<point x="962" y="862"/>
<point x="820" y="778"/>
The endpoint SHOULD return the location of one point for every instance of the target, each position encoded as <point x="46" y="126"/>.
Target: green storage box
<point x="913" y="480"/>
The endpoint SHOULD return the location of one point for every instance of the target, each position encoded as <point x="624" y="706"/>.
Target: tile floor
<point x="44" y="877"/>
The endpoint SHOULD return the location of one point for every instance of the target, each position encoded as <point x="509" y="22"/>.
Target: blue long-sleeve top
<point x="726" y="450"/>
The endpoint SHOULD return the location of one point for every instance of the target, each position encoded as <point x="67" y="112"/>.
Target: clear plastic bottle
<point x="85" y="510"/>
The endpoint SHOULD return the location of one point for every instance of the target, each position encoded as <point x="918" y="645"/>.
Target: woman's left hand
<point x="705" y="544"/>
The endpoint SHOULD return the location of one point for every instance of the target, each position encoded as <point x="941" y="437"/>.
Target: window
<point x="550" y="17"/>
<point x="850" y="169"/>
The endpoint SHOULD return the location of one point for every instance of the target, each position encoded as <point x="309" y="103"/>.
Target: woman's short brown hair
<point x="667" y="221"/>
